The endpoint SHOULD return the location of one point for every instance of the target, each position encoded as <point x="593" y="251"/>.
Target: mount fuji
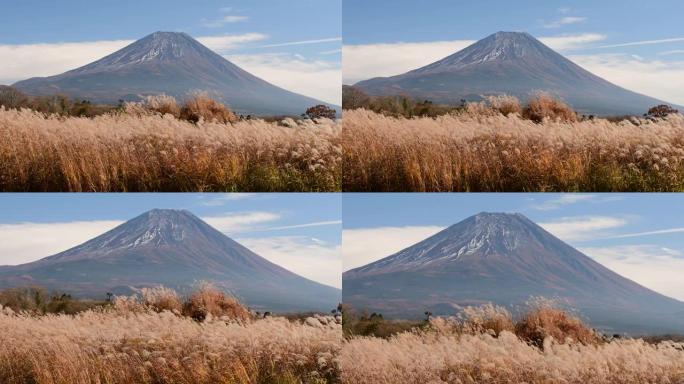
<point x="175" y="249"/>
<point x="174" y="64"/>
<point x="506" y="259"/>
<point x="513" y="63"/>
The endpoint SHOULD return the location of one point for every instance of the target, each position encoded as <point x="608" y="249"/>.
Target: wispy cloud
<point x="644" y="42"/>
<point x="571" y="42"/>
<point x="306" y="225"/>
<point x="580" y="228"/>
<point x="227" y="19"/>
<point x="26" y="242"/>
<point x="305" y="256"/>
<point x="565" y="21"/>
<point x="563" y="200"/>
<point x="223" y="21"/>
<point x="304" y="42"/>
<point x="240" y="222"/>
<point x="672" y="52"/>
<point x="225" y="198"/>
<point x="649" y="233"/>
<point x="656" y="267"/>
<point x="223" y="43"/>
<point x="365" y="245"/>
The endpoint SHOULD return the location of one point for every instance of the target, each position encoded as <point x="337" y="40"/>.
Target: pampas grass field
<point x="547" y="346"/>
<point x="139" y="150"/>
<point x="481" y="150"/>
<point x="139" y="340"/>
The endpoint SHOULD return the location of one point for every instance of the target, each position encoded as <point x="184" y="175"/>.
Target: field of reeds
<point x="164" y="147"/>
<point x="157" y="337"/>
<point x="506" y="148"/>
<point x="487" y="346"/>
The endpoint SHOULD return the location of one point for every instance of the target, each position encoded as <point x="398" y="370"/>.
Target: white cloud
<point x="570" y="42"/>
<point x="365" y="245"/>
<point x="232" y="223"/>
<point x="563" y="200"/>
<point x="581" y="228"/>
<point x="26" y="242"/>
<point x="304" y="42"/>
<point x="654" y="267"/>
<point x="19" y="62"/>
<point x="565" y="21"/>
<point x="319" y="79"/>
<point x="22" y="61"/>
<point x="659" y="79"/>
<point x="224" y="20"/>
<point x="361" y="62"/>
<point x="305" y="256"/>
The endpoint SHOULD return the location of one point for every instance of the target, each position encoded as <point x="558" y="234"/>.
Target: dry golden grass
<point x="120" y="345"/>
<point x="482" y="348"/>
<point x="143" y="151"/>
<point x="478" y="151"/>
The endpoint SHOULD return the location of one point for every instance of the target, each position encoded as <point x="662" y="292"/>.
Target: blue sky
<point x="640" y="236"/>
<point x="301" y="232"/>
<point x="294" y="44"/>
<point x="594" y="34"/>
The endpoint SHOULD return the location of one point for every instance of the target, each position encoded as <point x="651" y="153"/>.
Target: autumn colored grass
<point x="137" y="341"/>
<point x="142" y="150"/>
<point x="480" y="149"/>
<point x="487" y="346"/>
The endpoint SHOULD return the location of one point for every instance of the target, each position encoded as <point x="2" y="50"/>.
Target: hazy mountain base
<point x="128" y="152"/>
<point x="496" y="153"/>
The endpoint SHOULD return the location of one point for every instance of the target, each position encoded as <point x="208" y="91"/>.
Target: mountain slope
<point x="174" y="64"/>
<point x="516" y="64"/>
<point x="505" y="259"/>
<point x="175" y="249"/>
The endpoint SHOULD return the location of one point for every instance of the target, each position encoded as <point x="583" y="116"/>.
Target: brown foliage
<point x="208" y="300"/>
<point x="543" y="106"/>
<point x="320" y="112"/>
<point x="202" y="107"/>
<point x="542" y="323"/>
<point x="12" y="97"/>
<point x="661" y="111"/>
